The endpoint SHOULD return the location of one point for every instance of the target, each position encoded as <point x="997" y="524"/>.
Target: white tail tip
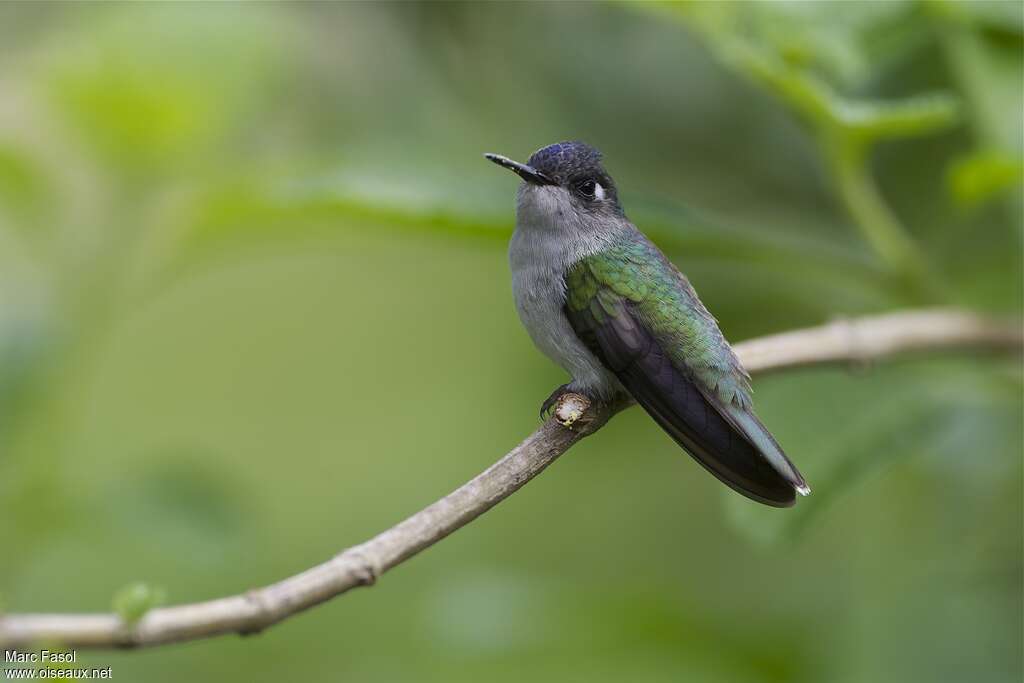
<point x="804" y="490"/>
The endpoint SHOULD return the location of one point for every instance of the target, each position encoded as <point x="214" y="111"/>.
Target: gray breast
<point x="539" y="255"/>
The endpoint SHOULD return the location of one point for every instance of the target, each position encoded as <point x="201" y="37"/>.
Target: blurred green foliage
<point x="252" y="276"/>
<point x="133" y="601"/>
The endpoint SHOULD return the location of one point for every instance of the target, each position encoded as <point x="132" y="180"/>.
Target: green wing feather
<point x="629" y="294"/>
<point x="638" y="272"/>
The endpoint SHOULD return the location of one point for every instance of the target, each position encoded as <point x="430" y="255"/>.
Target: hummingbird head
<point x="565" y="179"/>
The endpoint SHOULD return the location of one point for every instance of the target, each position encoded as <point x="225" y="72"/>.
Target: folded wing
<point x="697" y="393"/>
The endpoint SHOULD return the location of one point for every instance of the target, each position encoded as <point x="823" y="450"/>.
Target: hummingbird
<point x="603" y="302"/>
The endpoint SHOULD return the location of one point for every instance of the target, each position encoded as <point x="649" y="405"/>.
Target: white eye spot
<point x="598" y="191"/>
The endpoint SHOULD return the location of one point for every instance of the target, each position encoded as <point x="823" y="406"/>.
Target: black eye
<point x="587" y="188"/>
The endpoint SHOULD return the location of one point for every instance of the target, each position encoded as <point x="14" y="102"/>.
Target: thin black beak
<point x="527" y="173"/>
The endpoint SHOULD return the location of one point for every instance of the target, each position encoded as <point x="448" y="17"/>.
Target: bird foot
<point x="568" y="406"/>
<point x="549" y="402"/>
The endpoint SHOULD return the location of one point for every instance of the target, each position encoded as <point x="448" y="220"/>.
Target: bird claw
<point x="549" y="402"/>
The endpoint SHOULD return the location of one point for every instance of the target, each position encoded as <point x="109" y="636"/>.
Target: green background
<point x="255" y="308"/>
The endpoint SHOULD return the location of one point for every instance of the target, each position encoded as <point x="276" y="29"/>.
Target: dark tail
<point x="677" y="404"/>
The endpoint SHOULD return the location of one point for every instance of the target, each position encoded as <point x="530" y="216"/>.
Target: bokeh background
<point x="254" y="293"/>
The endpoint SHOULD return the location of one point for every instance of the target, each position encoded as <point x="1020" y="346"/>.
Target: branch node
<point x="366" y="569"/>
<point x="128" y="638"/>
<point x="858" y="354"/>
<point x="257" y="598"/>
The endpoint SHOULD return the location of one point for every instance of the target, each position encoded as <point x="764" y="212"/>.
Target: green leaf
<point x="133" y="601"/>
<point x="976" y="179"/>
<point x="991" y="14"/>
<point x="873" y="120"/>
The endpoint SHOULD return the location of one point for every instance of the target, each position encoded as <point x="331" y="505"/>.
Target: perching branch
<point x="856" y="341"/>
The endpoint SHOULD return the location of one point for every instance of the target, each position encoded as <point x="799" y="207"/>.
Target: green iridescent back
<point x="634" y="272"/>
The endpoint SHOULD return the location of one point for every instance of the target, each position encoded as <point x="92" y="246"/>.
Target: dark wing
<point x="723" y="435"/>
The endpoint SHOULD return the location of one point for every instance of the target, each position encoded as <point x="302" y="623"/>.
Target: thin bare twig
<point x="857" y="341"/>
